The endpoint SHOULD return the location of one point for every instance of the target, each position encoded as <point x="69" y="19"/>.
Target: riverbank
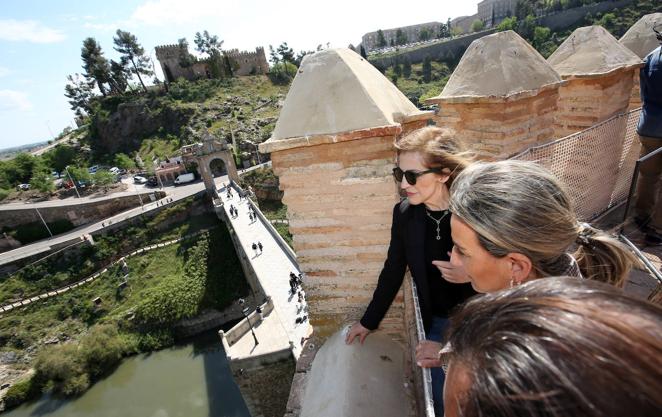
<point x="80" y="337"/>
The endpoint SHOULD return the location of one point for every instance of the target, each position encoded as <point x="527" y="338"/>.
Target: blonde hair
<point x="518" y="206"/>
<point x="439" y="148"/>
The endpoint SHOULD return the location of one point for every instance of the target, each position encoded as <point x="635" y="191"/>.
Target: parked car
<point x="55" y="174"/>
<point x="153" y="182"/>
<point x="22" y="187"/>
<point x="139" y="180"/>
<point x="114" y="171"/>
<point x="93" y="169"/>
<point x="184" y="178"/>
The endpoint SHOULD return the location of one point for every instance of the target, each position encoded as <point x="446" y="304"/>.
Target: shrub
<point x="21" y="392"/>
<point x="282" y="73"/>
<point x="102" y="349"/>
<point x="62" y="367"/>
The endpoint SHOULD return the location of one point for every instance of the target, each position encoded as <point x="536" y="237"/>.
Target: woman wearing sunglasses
<point x="513" y="222"/>
<point x="429" y="159"/>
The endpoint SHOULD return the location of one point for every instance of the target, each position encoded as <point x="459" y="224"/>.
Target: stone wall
<point x="250" y="62"/>
<point x="265" y="388"/>
<point x="565" y="18"/>
<point x="78" y="214"/>
<point x="450" y="49"/>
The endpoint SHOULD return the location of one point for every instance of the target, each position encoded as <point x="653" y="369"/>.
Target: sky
<point x="40" y="41"/>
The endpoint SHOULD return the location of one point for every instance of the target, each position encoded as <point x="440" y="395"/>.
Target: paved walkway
<point x="272" y="268"/>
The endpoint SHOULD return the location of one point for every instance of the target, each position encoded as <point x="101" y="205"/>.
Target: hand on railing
<point x="427" y="354"/>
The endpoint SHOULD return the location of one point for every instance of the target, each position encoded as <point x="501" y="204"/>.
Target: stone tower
<point x="599" y="72"/>
<point x="168" y="56"/>
<point x="332" y="150"/>
<point x="501" y="98"/>
<point x="641" y="40"/>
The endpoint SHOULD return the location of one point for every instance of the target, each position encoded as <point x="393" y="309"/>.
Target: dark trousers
<point x="649" y="187"/>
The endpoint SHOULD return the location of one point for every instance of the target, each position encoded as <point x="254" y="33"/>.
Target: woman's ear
<point x="520" y="267"/>
<point x="444" y="175"/>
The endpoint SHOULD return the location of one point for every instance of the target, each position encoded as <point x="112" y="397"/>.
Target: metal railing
<point x="425" y="372"/>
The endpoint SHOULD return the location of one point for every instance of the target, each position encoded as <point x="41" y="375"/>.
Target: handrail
<point x="427" y="376"/>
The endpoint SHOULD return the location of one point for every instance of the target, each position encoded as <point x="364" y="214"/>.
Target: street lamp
<point x="66" y="169"/>
<point x="244" y="311"/>
<point x="257" y="152"/>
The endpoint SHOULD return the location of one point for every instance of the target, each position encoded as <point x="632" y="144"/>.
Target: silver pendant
<point x="438" y="237"/>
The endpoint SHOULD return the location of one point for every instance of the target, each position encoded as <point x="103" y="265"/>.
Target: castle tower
<point x="641" y="40"/>
<point x="332" y="149"/>
<point x="501" y="98"/>
<point x="599" y="72"/>
<point x="169" y="56"/>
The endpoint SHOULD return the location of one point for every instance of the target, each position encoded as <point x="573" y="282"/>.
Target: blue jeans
<point x="439" y="325"/>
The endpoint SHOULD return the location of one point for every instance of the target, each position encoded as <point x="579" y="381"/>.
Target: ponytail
<point x="602" y="257"/>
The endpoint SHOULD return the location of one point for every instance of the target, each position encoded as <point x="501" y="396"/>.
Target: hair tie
<point x="585" y="232"/>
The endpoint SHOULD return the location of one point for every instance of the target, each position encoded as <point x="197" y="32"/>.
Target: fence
<point x="595" y="164"/>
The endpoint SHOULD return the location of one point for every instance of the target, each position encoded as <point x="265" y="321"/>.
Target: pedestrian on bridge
<point x="254" y="246"/>
<point x="259" y="245"/>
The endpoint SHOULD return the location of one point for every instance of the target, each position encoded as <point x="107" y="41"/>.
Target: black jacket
<point x="407" y="250"/>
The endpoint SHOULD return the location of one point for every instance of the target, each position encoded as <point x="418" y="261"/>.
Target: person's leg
<point x="436" y="333"/>
<point x="649" y="182"/>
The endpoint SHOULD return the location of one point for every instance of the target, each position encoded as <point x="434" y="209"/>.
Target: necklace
<point x="438" y="222"/>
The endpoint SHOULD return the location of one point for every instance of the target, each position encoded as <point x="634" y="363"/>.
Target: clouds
<point x="29" y="31"/>
<point x="169" y="12"/>
<point x="11" y="100"/>
<point x="4" y="72"/>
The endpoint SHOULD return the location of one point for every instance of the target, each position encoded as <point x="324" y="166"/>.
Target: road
<point x="43" y="246"/>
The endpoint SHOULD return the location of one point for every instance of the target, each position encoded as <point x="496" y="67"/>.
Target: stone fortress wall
<point x="169" y="57"/>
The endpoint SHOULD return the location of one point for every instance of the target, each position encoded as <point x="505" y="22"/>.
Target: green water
<point x="193" y="380"/>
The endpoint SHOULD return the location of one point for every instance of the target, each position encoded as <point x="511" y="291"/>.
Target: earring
<point x="514" y="283"/>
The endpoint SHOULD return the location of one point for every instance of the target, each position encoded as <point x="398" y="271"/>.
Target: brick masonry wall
<point x="584" y="102"/>
<point x="340" y="199"/>
<point x="499" y="130"/>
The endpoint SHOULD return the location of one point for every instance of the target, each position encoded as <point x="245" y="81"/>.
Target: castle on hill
<point x="240" y="62"/>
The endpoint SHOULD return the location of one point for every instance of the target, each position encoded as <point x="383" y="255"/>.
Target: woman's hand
<point x="357" y="330"/>
<point x="452" y="273"/>
<point x="427" y="354"/>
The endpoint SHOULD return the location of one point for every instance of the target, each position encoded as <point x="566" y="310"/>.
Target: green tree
<point x="207" y="44"/>
<point x="527" y="27"/>
<point x="400" y="37"/>
<point x="119" y="75"/>
<point x="186" y="59"/>
<point x="80" y="174"/>
<point x="42" y="181"/>
<point x="363" y="53"/>
<point x="282" y="73"/>
<point x="424" y="34"/>
<point x="60" y="156"/>
<point x="427" y="69"/>
<point x="124" y="161"/>
<point x="95" y="64"/>
<point x="381" y="40"/>
<point x="406" y="67"/>
<point x="79" y="91"/>
<point x="509" y="23"/>
<point x="477" y="25"/>
<point x="19" y="170"/>
<point x="286" y="53"/>
<point x="132" y="53"/>
<point x="444" y="31"/>
<point x="103" y="178"/>
<point x="540" y="36"/>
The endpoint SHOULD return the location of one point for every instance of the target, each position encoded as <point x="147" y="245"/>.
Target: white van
<point x="184" y="178"/>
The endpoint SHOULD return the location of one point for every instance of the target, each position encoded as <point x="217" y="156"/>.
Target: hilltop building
<point x="242" y="63"/>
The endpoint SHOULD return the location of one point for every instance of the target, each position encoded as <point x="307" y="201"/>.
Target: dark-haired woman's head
<point x="557" y="347"/>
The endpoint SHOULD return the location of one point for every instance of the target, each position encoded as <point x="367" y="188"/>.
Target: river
<point x="191" y="380"/>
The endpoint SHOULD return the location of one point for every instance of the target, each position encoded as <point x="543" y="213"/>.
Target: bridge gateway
<point x="207" y="152"/>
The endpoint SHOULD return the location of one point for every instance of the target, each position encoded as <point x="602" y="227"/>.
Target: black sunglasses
<point x="411" y="176"/>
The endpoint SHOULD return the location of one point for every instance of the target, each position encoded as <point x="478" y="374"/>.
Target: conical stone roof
<point x="498" y="67"/>
<point x="591" y="51"/>
<point x="337" y="91"/>
<point x="640" y="38"/>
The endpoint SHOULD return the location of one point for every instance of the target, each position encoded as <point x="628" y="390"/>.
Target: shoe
<point x="653" y="237"/>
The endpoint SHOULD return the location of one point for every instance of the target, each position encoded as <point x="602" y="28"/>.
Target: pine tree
<point x="79" y="91"/>
<point x="381" y="40"/>
<point x="207" y="44"/>
<point x="131" y="52"/>
<point x="95" y="64"/>
<point x="427" y="69"/>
